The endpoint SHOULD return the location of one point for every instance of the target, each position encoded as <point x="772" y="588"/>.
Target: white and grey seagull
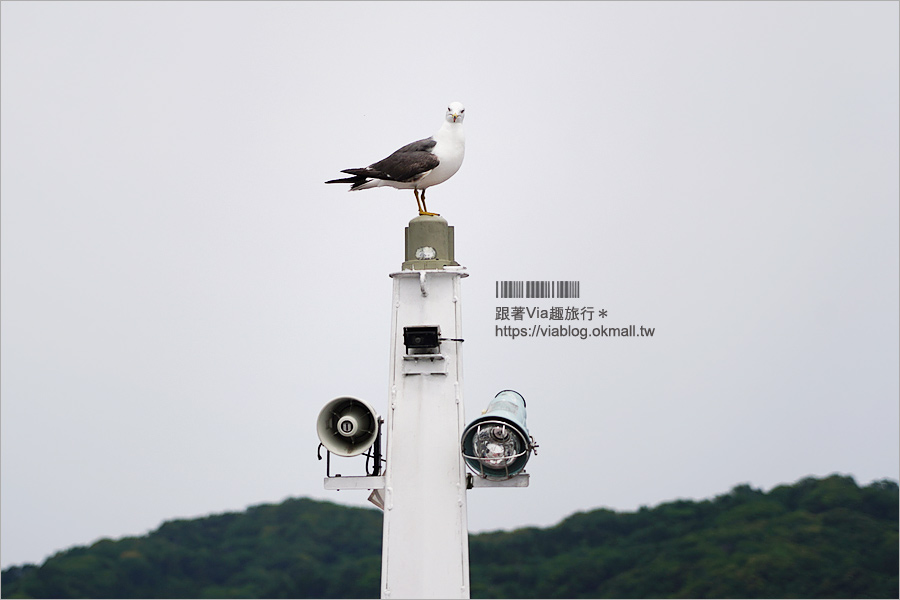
<point x="419" y="165"/>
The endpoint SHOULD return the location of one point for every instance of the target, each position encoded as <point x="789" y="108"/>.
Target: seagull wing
<point x="407" y="164"/>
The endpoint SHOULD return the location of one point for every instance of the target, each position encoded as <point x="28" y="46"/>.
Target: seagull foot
<point x="423" y="213"/>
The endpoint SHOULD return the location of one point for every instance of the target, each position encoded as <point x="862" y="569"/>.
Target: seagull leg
<point x="418" y="202"/>
<point x="423" y="210"/>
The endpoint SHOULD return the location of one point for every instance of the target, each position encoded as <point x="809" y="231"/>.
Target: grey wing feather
<point x="408" y="163"/>
<point x="418" y="146"/>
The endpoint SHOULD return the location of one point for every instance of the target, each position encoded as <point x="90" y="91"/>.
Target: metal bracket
<point x="372" y="454"/>
<point x="355" y="482"/>
<point x="520" y="480"/>
<point x="424" y="364"/>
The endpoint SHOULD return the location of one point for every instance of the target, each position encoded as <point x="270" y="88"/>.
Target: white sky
<point x="181" y="293"/>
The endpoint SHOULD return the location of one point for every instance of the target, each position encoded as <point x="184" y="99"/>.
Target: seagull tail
<point x="356" y="181"/>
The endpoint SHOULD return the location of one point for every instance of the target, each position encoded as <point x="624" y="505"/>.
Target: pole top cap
<point x="429" y="244"/>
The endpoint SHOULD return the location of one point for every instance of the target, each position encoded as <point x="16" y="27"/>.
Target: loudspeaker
<point x="347" y="426"/>
<point x="497" y="445"/>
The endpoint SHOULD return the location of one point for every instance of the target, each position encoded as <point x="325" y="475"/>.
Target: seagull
<point x="419" y="165"/>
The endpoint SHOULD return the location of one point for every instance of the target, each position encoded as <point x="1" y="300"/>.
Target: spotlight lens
<point x="496" y="447"/>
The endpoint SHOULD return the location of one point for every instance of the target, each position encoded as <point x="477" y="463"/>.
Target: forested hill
<point x="818" y="538"/>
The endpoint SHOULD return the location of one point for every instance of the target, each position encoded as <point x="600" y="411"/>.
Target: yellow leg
<point x="423" y="210"/>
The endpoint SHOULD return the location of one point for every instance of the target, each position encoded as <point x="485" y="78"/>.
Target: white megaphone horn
<point x="347" y="426"/>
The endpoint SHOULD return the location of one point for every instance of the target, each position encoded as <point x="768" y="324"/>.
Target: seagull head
<point x="455" y="112"/>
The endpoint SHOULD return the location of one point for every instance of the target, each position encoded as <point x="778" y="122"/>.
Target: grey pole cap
<point x="429" y="244"/>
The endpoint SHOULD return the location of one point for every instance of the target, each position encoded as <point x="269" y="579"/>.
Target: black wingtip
<point x="354" y="182"/>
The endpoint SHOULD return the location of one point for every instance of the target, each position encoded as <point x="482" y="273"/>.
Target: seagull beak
<point x="455" y="116"/>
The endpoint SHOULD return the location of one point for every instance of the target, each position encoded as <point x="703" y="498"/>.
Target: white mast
<point x="425" y="550"/>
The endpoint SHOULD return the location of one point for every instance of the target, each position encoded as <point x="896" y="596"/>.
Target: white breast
<point x="450" y="148"/>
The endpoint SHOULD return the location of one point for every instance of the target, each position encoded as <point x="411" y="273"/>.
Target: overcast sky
<point x="181" y="293"/>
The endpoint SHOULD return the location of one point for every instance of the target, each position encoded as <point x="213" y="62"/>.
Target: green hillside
<point x="818" y="538"/>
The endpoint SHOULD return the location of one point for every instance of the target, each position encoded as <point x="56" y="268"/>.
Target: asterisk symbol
<point x="602" y="312"/>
